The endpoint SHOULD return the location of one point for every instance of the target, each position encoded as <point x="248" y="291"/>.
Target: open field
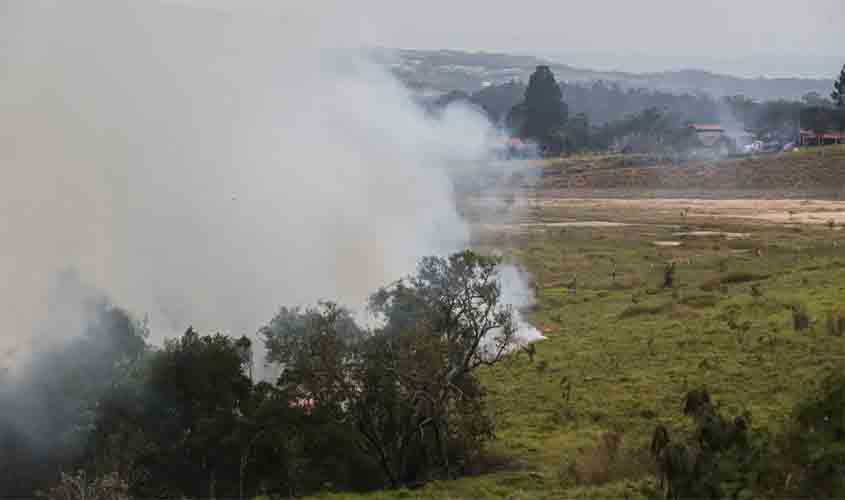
<point x="622" y="351"/>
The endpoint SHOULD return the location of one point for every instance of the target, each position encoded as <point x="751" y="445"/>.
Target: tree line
<point x="354" y="409"/>
<point x="571" y="118"/>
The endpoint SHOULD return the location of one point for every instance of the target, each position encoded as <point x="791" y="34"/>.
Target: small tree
<point x="445" y="322"/>
<point x="406" y="391"/>
<point x="669" y="275"/>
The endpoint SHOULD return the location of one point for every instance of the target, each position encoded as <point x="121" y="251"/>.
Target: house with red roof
<point x="810" y="138"/>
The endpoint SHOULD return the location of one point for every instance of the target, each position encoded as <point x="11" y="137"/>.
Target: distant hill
<point x="448" y="70"/>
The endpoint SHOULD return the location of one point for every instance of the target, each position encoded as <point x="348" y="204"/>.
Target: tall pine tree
<point x="543" y="111"/>
<point x="838" y="95"/>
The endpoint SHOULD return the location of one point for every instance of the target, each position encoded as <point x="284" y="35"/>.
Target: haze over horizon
<point x="771" y="38"/>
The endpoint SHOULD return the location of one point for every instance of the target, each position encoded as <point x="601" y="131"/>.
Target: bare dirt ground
<point x="789" y="189"/>
<point x="762" y="210"/>
<point x="545" y="212"/>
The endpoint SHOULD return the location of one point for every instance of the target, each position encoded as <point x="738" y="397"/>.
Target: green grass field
<point x="621" y="353"/>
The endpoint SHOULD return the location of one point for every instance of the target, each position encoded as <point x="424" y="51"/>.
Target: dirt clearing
<point x="699" y="210"/>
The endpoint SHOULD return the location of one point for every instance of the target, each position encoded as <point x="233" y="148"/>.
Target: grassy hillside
<point x="627" y="350"/>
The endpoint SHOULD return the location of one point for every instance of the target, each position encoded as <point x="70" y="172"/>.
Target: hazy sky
<point x="748" y="37"/>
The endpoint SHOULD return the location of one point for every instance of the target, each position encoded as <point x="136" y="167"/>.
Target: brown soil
<point x="792" y="188"/>
<point x="696" y="210"/>
<point x="808" y="174"/>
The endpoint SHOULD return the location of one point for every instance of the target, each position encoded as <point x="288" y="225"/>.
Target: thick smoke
<point x="204" y="168"/>
<point x="62" y="383"/>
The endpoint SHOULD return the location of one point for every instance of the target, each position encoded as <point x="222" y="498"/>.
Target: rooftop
<point x="706" y="127"/>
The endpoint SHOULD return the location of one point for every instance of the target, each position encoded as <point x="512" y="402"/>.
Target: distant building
<point x="713" y="139"/>
<point x="708" y="134"/>
<point x="810" y="138"/>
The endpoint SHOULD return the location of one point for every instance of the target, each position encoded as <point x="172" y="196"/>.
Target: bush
<point x="816" y="440"/>
<point x="725" y="458"/>
<point x="722" y="458"/>
<point x="800" y="318"/>
<point x="836" y="323"/>
<point x="80" y="487"/>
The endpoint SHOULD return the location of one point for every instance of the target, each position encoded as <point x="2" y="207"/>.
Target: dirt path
<point x="768" y="211"/>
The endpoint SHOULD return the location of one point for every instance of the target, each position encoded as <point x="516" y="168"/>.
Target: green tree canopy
<point x="200" y="385"/>
<point x="838" y="95"/>
<point x="543" y="112"/>
<point x="405" y="392"/>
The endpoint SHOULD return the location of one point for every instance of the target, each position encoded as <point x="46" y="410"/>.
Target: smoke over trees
<point x="204" y="185"/>
<point x="195" y="184"/>
<point x="359" y="408"/>
<point x="50" y="402"/>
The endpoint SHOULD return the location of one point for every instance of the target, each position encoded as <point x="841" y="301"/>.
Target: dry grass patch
<point x="609" y="461"/>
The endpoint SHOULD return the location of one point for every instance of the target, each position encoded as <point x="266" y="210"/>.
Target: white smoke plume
<point x="205" y="167"/>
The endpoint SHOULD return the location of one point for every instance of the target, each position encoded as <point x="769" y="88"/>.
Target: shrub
<point x="722" y="458"/>
<point x="836" y="323"/>
<point x="80" y="487"/>
<point x="817" y="440"/>
<point x="800" y="318"/>
<point x="669" y="275"/>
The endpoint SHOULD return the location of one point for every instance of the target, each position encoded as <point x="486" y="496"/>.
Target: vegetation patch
<point x="646" y="310"/>
<point x="700" y="301"/>
<point x="734" y="278"/>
